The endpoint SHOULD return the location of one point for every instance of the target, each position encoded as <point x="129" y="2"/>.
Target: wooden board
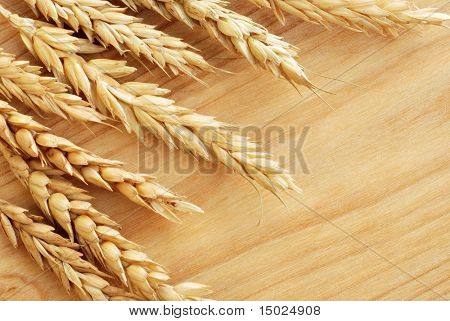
<point x="373" y="221"/>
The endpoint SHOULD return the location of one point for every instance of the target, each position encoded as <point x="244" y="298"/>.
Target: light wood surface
<point x="373" y="221"/>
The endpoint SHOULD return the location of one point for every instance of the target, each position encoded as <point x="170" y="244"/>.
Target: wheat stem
<point x="380" y="16"/>
<point x="140" y="106"/>
<point x="112" y="27"/>
<point x="62" y="256"/>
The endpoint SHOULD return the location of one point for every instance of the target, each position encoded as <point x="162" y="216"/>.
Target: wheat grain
<point x="97" y="233"/>
<point x="112" y="27"/>
<point x="43" y="94"/>
<point x="380" y="16"/>
<point x="62" y="256"/>
<point x="235" y="32"/>
<point x="140" y="105"/>
<point x="36" y="143"/>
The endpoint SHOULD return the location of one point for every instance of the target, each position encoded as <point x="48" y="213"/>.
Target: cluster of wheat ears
<point x="92" y="258"/>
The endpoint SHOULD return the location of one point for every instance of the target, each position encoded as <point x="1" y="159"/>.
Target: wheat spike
<point x="143" y="106"/>
<point x="386" y="17"/>
<point x="140" y="105"/>
<point x="62" y="256"/>
<point x="43" y="149"/>
<point x="70" y="208"/>
<point x="112" y="27"/>
<point x="235" y="32"/>
<point x="46" y="95"/>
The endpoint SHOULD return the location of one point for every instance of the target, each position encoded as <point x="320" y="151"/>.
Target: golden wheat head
<point x="43" y="149"/>
<point x="235" y="32"/>
<point x="46" y="95"/>
<point x="380" y="16"/>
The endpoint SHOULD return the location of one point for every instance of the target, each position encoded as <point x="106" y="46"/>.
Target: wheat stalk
<point x="62" y="256"/>
<point x="140" y="105"/>
<point x="42" y="94"/>
<point x="42" y="148"/>
<point x="70" y="208"/>
<point x="381" y="16"/>
<point x="235" y="32"/>
<point x="112" y="27"/>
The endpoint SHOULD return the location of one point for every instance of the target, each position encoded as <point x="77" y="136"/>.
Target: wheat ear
<point x="70" y="208"/>
<point x="62" y="256"/>
<point x="42" y="148"/>
<point x="43" y="94"/>
<point x="144" y="107"/>
<point x="112" y="27"/>
<point x="140" y="105"/>
<point x="235" y="32"/>
<point x="381" y="16"/>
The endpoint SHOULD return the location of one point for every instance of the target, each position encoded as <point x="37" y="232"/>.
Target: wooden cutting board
<point x="373" y="222"/>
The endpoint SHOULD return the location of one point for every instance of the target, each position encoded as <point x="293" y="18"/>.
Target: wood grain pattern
<point x="373" y="222"/>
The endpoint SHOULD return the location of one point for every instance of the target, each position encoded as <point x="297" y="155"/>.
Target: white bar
<point x="120" y="311"/>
